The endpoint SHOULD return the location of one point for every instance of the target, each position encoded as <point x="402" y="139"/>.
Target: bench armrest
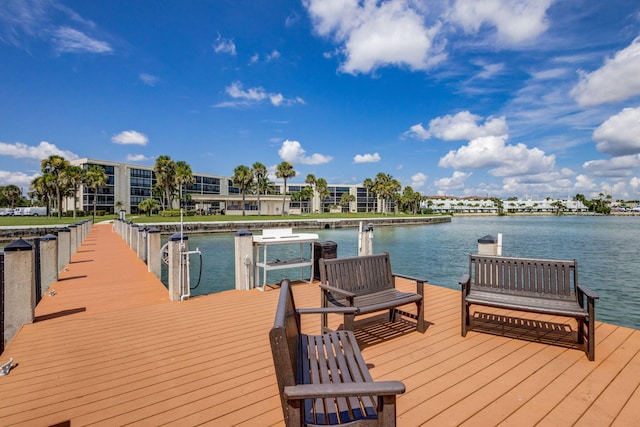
<point x="376" y="388"/>
<point x="588" y="292"/>
<point x="419" y="281"/>
<point x="330" y="310"/>
<point x="337" y="290"/>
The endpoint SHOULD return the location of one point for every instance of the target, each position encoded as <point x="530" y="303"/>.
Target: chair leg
<point x="420" y="317"/>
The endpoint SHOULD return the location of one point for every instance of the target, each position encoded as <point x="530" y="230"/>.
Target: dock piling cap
<point x="488" y="239"/>
<point x="18" y="245"/>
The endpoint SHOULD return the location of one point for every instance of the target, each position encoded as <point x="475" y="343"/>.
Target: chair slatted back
<point x="360" y="275"/>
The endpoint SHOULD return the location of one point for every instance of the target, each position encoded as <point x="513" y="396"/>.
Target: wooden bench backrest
<point x="285" y="341"/>
<point x="544" y="277"/>
<point x="360" y="275"/>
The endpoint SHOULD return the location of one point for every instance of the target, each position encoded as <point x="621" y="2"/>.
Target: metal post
<point x="244" y="260"/>
<point x="177" y="269"/>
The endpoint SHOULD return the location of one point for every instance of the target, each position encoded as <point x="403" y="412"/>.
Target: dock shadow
<point x="559" y="334"/>
<point x="61" y="313"/>
<point x="64" y="279"/>
<point x="81" y="261"/>
<point x="377" y="329"/>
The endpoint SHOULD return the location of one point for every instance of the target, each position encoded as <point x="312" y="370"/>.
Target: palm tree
<point x="183" y="176"/>
<point x="346" y="198"/>
<point x="385" y="187"/>
<point x="368" y="185"/>
<point x="12" y="193"/>
<point x="311" y="180"/>
<point x="165" y="170"/>
<point x="148" y="206"/>
<point x="54" y="166"/>
<point x="42" y="189"/>
<point x="284" y="171"/>
<point x="243" y="179"/>
<point x="95" y="178"/>
<point x="74" y="175"/>
<point x="261" y="177"/>
<point x="323" y="190"/>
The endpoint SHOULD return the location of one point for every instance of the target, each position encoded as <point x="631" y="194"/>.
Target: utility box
<point x="323" y="250"/>
<point x="488" y="245"/>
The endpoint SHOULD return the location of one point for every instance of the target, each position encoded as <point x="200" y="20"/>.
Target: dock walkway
<point x="109" y="348"/>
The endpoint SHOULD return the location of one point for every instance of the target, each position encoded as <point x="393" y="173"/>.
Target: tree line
<point x="61" y="179"/>
<point x="255" y="180"/>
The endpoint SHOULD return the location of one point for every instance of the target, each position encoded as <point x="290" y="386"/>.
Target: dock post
<point x="142" y="243"/>
<point x="365" y="240"/>
<point x="177" y="272"/>
<point x="153" y="252"/>
<point x="64" y="241"/>
<point x="48" y="262"/>
<point x="133" y="238"/>
<point x="19" y="293"/>
<point x="73" y="242"/>
<point x="244" y="260"/>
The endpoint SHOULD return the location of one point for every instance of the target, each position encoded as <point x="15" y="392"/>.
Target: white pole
<point x="499" y="248"/>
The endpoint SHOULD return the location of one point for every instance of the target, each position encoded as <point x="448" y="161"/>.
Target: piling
<point x="153" y="252"/>
<point x="64" y="243"/>
<point x="19" y="295"/>
<point x="244" y="260"/>
<point x="48" y="246"/>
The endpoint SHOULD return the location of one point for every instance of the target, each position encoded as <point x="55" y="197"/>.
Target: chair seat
<point x="381" y="300"/>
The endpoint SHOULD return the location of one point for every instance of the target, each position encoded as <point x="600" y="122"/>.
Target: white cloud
<point x="41" y="151"/>
<point x="463" y="125"/>
<point x="619" y="135"/>
<point x="69" y="40"/>
<point x="292" y="152"/>
<point x="130" y="137"/>
<point x="19" y="179"/>
<point x="503" y="159"/>
<point x="615" y="167"/>
<point x="376" y="34"/>
<point x="366" y="158"/>
<point x="136" y="158"/>
<point x="418" y="131"/>
<point x="455" y="182"/>
<point x="515" y="21"/>
<point x="222" y="45"/>
<point x="253" y="96"/>
<point x="149" y="79"/>
<point x="618" y="79"/>
<point x="418" y="180"/>
<point x="272" y="56"/>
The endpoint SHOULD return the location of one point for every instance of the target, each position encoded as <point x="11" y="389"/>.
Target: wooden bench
<point x="532" y="285"/>
<point x="367" y="283"/>
<point x="323" y="379"/>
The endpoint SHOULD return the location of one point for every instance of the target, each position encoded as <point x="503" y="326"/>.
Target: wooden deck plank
<point x="110" y="349"/>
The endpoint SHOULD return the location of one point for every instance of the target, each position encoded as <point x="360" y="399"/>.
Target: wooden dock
<point x="109" y="348"/>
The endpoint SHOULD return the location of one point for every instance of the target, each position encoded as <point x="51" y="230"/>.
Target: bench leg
<point x="591" y="326"/>
<point x="420" y="317"/>
<point x="386" y="411"/>
<point x="465" y="316"/>
<point x="392" y="315"/>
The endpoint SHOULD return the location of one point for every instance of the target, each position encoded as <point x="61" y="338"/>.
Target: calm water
<point x="606" y="249"/>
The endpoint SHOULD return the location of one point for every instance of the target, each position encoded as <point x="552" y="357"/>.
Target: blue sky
<point x="453" y="97"/>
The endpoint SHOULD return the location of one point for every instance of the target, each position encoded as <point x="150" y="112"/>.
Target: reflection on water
<point x="606" y="249"/>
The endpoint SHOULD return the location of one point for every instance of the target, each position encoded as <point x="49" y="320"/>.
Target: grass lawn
<point x="39" y="220"/>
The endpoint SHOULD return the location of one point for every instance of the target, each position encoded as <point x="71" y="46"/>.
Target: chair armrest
<point x="330" y="310"/>
<point x="419" y="281"/>
<point x="464" y="280"/>
<point x="337" y="290"/>
<point x="415" y="279"/>
<point x="376" y="388"/>
<point x="588" y="292"/>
